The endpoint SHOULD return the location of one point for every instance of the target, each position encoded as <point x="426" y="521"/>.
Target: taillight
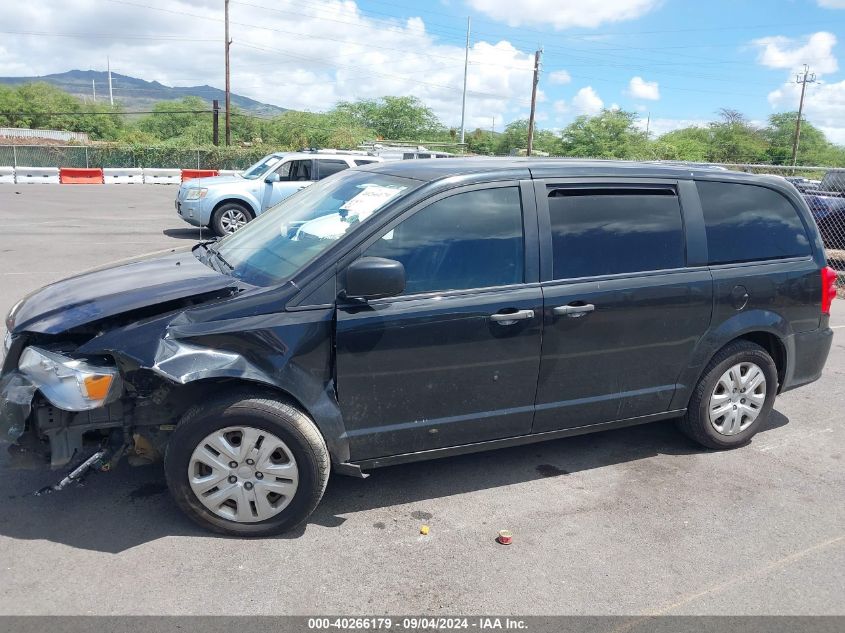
<point x="828" y="288"/>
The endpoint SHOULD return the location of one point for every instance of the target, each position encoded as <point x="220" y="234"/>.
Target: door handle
<point x="509" y="318"/>
<point x="574" y="311"/>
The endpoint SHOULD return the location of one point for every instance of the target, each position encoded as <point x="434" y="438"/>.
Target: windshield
<point x="273" y="247"/>
<point x="261" y="166"/>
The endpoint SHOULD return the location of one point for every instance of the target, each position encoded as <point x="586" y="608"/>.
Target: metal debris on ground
<point x="97" y="459"/>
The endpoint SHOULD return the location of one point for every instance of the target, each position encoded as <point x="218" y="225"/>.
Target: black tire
<point x="696" y="423"/>
<point x="286" y="422"/>
<point x="217" y="220"/>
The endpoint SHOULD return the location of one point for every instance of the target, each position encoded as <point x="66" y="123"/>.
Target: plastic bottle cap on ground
<point x="505" y="537"/>
<point x="424" y="529"/>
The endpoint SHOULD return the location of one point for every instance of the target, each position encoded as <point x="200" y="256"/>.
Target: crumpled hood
<point x="110" y="291"/>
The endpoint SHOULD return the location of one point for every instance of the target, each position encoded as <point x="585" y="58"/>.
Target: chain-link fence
<point x="129" y="157"/>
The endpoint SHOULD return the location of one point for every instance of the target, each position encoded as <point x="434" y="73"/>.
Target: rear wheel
<point x="733" y="397"/>
<point x="247" y="466"/>
<point x="229" y="218"/>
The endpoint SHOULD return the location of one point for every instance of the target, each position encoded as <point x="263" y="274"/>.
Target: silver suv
<point x="226" y="203"/>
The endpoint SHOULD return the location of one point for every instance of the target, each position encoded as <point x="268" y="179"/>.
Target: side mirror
<point x="374" y="278"/>
<point x="271" y="178"/>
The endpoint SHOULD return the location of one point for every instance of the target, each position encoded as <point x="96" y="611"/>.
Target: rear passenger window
<point x="329" y="167"/>
<point x="748" y="223"/>
<point x="469" y="240"/>
<point x="606" y="231"/>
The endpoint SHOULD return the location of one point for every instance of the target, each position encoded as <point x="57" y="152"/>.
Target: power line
<point x="39" y="113"/>
<point x="161" y="38"/>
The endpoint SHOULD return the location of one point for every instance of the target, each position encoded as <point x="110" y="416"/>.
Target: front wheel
<point x="247" y="466"/>
<point x="229" y="218"/>
<point x="733" y="397"/>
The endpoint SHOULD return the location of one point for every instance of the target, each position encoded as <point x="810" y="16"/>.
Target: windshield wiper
<point x="217" y="262"/>
<point x="220" y="258"/>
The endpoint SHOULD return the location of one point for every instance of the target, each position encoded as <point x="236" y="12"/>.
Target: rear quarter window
<point x="749" y="223"/>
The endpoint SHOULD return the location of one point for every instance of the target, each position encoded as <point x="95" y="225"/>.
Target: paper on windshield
<point x="370" y="199"/>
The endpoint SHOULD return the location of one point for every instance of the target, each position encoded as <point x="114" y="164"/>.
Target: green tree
<point x="514" y="140"/>
<point x="295" y="130"/>
<point x="40" y="105"/>
<point x="735" y="140"/>
<point x="393" y="118"/>
<point x="814" y="148"/>
<point x="690" y="143"/>
<point x="173" y="119"/>
<point x="610" y="134"/>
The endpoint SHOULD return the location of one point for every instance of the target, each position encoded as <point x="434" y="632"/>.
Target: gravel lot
<point x="634" y="521"/>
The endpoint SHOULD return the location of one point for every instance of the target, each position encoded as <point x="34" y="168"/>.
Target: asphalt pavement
<point x="627" y="522"/>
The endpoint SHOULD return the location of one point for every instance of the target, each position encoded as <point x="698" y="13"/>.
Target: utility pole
<point x="228" y="95"/>
<point x="647" y="124"/>
<point x="215" y="121"/>
<point x="94" y="89"/>
<point x="466" y="66"/>
<point x="807" y="78"/>
<point x="533" y="102"/>
<point x="111" y="95"/>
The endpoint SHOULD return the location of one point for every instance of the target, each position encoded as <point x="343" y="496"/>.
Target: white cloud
<point x="832" y="4"/>
<point x="824" y="105"/>
<point x="816" y="50"/>
<point x="561" y="107"/>
<point x="347" y="56"/>
<point x="639" y="88"/>
<point x="560" y="77"/>
<point x="562" y="14"/>
<point x="587" y="101"/>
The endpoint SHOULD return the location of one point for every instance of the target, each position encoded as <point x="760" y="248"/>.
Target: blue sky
<point x="678" y="61"/>
<point x="702" y="55"/>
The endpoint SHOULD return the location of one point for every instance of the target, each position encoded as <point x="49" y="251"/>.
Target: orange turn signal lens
<point x="97" y="387"/>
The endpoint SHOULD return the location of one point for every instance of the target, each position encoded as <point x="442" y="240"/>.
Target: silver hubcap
<point x="232" y="220"/>
<point x="243" y="474"/>
<point x="737" y="399"/>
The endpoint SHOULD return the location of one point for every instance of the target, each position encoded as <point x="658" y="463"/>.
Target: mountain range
<point x="139" y="94"/>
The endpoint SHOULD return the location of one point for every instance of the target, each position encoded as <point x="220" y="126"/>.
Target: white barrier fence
<point x="111" y="176"/>
<point x="162" y="176"/>
<point x="37" y="175"/>
<point x="120" y="176"/>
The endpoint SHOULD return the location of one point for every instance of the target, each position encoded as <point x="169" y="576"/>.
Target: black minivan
<point x="420" y="309"/>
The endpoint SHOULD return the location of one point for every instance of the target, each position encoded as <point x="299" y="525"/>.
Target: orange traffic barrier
<point x="189" y="174"/>
<point x="79" y="176"/>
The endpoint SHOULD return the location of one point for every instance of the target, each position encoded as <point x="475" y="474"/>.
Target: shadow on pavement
<point x="128" y="507"/>
<point x="195" y="235"/>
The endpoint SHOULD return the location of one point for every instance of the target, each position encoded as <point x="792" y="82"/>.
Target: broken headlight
<point x="68" y="383"/>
